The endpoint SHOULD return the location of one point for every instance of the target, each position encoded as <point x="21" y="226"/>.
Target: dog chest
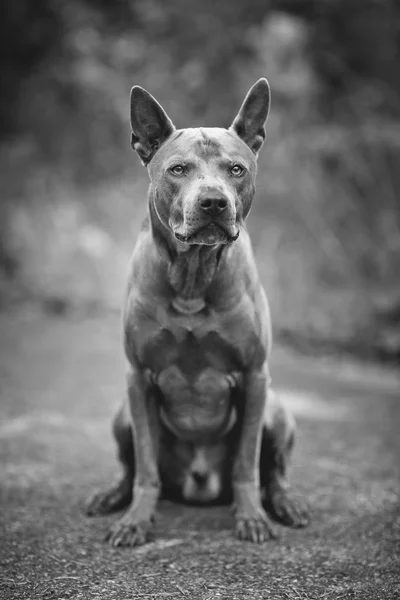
<point x="202" y="405"/>
<point x="191" y="352"/>
<point x="195" y="376"/>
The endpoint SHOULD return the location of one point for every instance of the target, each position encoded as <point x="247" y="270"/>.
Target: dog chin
<point x="211" y="235"/>
<point x="210" y="492"/>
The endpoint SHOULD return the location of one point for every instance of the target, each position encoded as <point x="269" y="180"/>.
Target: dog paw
<point x="285" y="509"/>
<point x="128" y="534"/>
<point x="254" y="529"/>
<point x="103" y="503"/>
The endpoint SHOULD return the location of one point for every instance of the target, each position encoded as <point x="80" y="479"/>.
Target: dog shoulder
<point x="244" y="261"/>
<point x="257" y="291"/>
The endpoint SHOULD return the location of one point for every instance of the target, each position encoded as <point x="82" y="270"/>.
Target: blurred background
<point x="326" y="219"/>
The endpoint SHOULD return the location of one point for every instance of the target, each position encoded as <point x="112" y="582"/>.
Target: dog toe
<point x="256" y="530"/>
<point x="287" y="510"/>
<point x="125" y="534"/>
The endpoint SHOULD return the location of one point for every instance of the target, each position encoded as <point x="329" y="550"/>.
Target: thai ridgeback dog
<point x="200" y="421"/>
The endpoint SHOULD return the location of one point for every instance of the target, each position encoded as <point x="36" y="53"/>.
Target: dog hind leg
<point x="119" y="496"/>
<point x="276" y="446"/>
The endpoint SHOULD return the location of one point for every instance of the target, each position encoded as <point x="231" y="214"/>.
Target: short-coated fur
<point x="200" y="422"/>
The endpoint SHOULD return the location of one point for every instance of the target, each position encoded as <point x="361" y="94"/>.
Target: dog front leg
<point x="252" y="522"/>
<point x="134" y="528"/>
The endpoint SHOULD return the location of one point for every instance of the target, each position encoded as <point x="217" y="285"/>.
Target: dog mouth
<point x="209" y="235"/>
<point x="206" y="492"/>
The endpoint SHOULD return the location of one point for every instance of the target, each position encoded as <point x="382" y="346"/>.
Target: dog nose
<point x="213" y="206"/>
<point x="200" y="478"/>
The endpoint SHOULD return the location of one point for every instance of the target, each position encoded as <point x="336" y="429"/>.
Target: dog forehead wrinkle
<point x="208" y="146"/>
<point x="202" y="139"/>
<point x="205" y="143"/>
<point x="208" y="149"/>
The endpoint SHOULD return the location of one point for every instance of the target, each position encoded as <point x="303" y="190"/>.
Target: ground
<point x="61" y="380"/>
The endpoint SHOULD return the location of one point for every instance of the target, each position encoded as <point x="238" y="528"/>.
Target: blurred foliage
<point x="327" y="227"/>
<point x="354" y="46"/>
<point x="28" y="34"/>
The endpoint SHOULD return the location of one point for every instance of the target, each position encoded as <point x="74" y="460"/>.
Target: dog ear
<point x="249" y="123"/>
<point x="150" y="124"/>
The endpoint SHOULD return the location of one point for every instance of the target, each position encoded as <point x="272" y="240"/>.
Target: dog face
<point x="203" y="182"/>
<point x="202" y="479"/>
<point x="203" y="179"/>
<point x="192" y="472"/>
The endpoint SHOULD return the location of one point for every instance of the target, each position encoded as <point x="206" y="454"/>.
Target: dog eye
<point x="237" y="170"/>
<point x="177" y="170"/>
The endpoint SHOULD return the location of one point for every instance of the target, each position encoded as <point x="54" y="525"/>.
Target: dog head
<point x="195" y="473"/>
<point x="202" y="179"/>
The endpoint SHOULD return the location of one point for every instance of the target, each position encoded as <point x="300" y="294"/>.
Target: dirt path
<point x="61" y="380"/>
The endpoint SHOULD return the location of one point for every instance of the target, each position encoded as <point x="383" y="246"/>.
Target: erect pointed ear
<point x="151" y="125"/>
<point x="251" y="118"/>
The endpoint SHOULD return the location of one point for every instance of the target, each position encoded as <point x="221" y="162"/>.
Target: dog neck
<point x="190" y="267"/>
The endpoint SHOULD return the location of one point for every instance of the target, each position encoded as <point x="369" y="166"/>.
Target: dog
<point x="200" y="421"/>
